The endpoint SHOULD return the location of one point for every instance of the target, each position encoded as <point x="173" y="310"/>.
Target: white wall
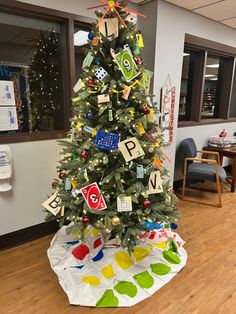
<point x="172" y="24"/>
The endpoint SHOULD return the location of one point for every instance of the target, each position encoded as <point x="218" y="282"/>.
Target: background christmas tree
<point x="44" y="83"/>
<point x="112" y="101"/>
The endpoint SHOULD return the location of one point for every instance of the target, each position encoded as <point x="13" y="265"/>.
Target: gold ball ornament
<point x="77" y="234"/>
<point x="115" y="221"/>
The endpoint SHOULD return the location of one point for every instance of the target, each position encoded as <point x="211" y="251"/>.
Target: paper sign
<point x="8" y="119"/>
<point x="124" y="204"/>
<point x="103" y="98"/>
<point x="155" y="183"/>
<point x="131" y="149"/>
<point x="7" y="97"/>
<point x="93" y="197"/>
<point x="127" y="65"/>
<point x="53" y="204"/>
<point x="109" y="27"/>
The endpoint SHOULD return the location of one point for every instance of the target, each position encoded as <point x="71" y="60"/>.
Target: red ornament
<point x="146" y="110"/>
<point x="146" y="203"/>
<point x="54" y="185"/>
<point x="83" y="154"/>
<point x="62" y="175"/>
<point x="86" y="220"/>
<point x="91" y="82"/>
<point x="138" y="60"/>
<point x="142" y="235"/>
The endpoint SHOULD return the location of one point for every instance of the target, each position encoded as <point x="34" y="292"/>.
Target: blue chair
<point x="201" y="169"/>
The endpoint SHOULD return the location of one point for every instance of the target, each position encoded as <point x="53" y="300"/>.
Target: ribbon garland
<point x="127" y="88"/>
<point x="111" y="7"/>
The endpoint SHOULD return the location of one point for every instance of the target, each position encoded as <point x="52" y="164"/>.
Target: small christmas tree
<point x="111" y="175"/>
<point x="44" y="84"/>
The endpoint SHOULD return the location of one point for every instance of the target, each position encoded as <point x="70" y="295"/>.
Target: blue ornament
<point x="91" y="36"/>
<point x="96" y="61"/>
<point x="174" y="226"/>
<point x="149" y="224"/>
<point x="90" y="115"/>
<point x="159" y="226"/>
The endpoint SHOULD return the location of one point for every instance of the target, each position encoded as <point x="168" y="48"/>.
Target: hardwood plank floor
<point x="206" y="285"/>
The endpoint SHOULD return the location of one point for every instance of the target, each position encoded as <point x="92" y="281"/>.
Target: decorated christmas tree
<point x="113" y="189"/>
<point x="44" y="83"/>
<point x="111" y="175"/>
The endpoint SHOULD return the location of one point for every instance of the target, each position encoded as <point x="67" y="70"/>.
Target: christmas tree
<point x="44" y="84"/>
<point x="111" y="175"/>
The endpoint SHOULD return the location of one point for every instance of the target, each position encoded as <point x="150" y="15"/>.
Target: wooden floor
<point x="206" y="285"/>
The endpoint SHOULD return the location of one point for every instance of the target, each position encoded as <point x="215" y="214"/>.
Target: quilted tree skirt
<point x="102" y="274"/>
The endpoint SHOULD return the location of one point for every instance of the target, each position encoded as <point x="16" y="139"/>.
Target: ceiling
<point x="223" y="11"/>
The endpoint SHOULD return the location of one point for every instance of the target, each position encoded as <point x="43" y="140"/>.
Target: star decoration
<point x="111" y="7"/>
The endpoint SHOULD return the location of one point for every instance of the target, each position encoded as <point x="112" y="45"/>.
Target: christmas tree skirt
<point x="102" y="274"/>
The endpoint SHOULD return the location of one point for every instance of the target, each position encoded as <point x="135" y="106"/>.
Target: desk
<point x="226" y="152"/>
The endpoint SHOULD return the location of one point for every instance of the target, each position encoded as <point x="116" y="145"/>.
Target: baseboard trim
<point x="31" y="233"/>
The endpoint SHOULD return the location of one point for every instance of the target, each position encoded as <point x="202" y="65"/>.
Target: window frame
<point x="67" y="20"/>
<point x="221" y="50"/>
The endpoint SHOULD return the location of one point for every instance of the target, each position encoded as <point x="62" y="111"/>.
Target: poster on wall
<point x="14" y="91"/>
<point x="168" y="95"/>
<point x="8" y="119"/>
<point x="7" y="97"/>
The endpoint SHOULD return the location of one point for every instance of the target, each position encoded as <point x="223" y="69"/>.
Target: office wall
<point x="172" y="25"/>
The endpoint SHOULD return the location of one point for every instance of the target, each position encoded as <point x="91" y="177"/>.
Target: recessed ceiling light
<point x="213" y="66"/>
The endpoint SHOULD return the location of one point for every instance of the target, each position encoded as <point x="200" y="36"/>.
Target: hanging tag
<point x="140" y="40"/>
<point x="86" y="175"/>
<point x="88" y="129"/>
<point x="140" y="128"/>
<point x="62" y="211"/>
<point x="88" y="60"/>
<point x="110" y="113"/>
<point x="140" y="172"/>
<point x="124" y="204"/>
<point x="126" y="93"/>
<point x="151" y="116"/>
<point x="94" y="132"/>
<point x="74" y="183"/>
<point x="67" y="184"/>
<point x="103" y="98"/>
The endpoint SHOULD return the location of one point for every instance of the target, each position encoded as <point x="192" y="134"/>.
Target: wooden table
<point x="230" y="153"/>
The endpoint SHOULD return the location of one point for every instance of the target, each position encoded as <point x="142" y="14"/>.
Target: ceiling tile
<point x="219" y="11"/>
<point x="230" y="22"/>
<point x="192" y="4"/>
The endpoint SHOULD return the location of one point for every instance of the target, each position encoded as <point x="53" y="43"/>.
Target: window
<point x="30" y="58"/>
<point x="206" y="94"/>
<point x="37" y="71"/>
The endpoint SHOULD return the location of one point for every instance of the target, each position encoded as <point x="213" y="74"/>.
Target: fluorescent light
<point x="209" y="75"/>
<point x="81" y="38"/>
<point x="186" y="54"/>
<point x="213" y="66"/>
<point x="213" y="79"/>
